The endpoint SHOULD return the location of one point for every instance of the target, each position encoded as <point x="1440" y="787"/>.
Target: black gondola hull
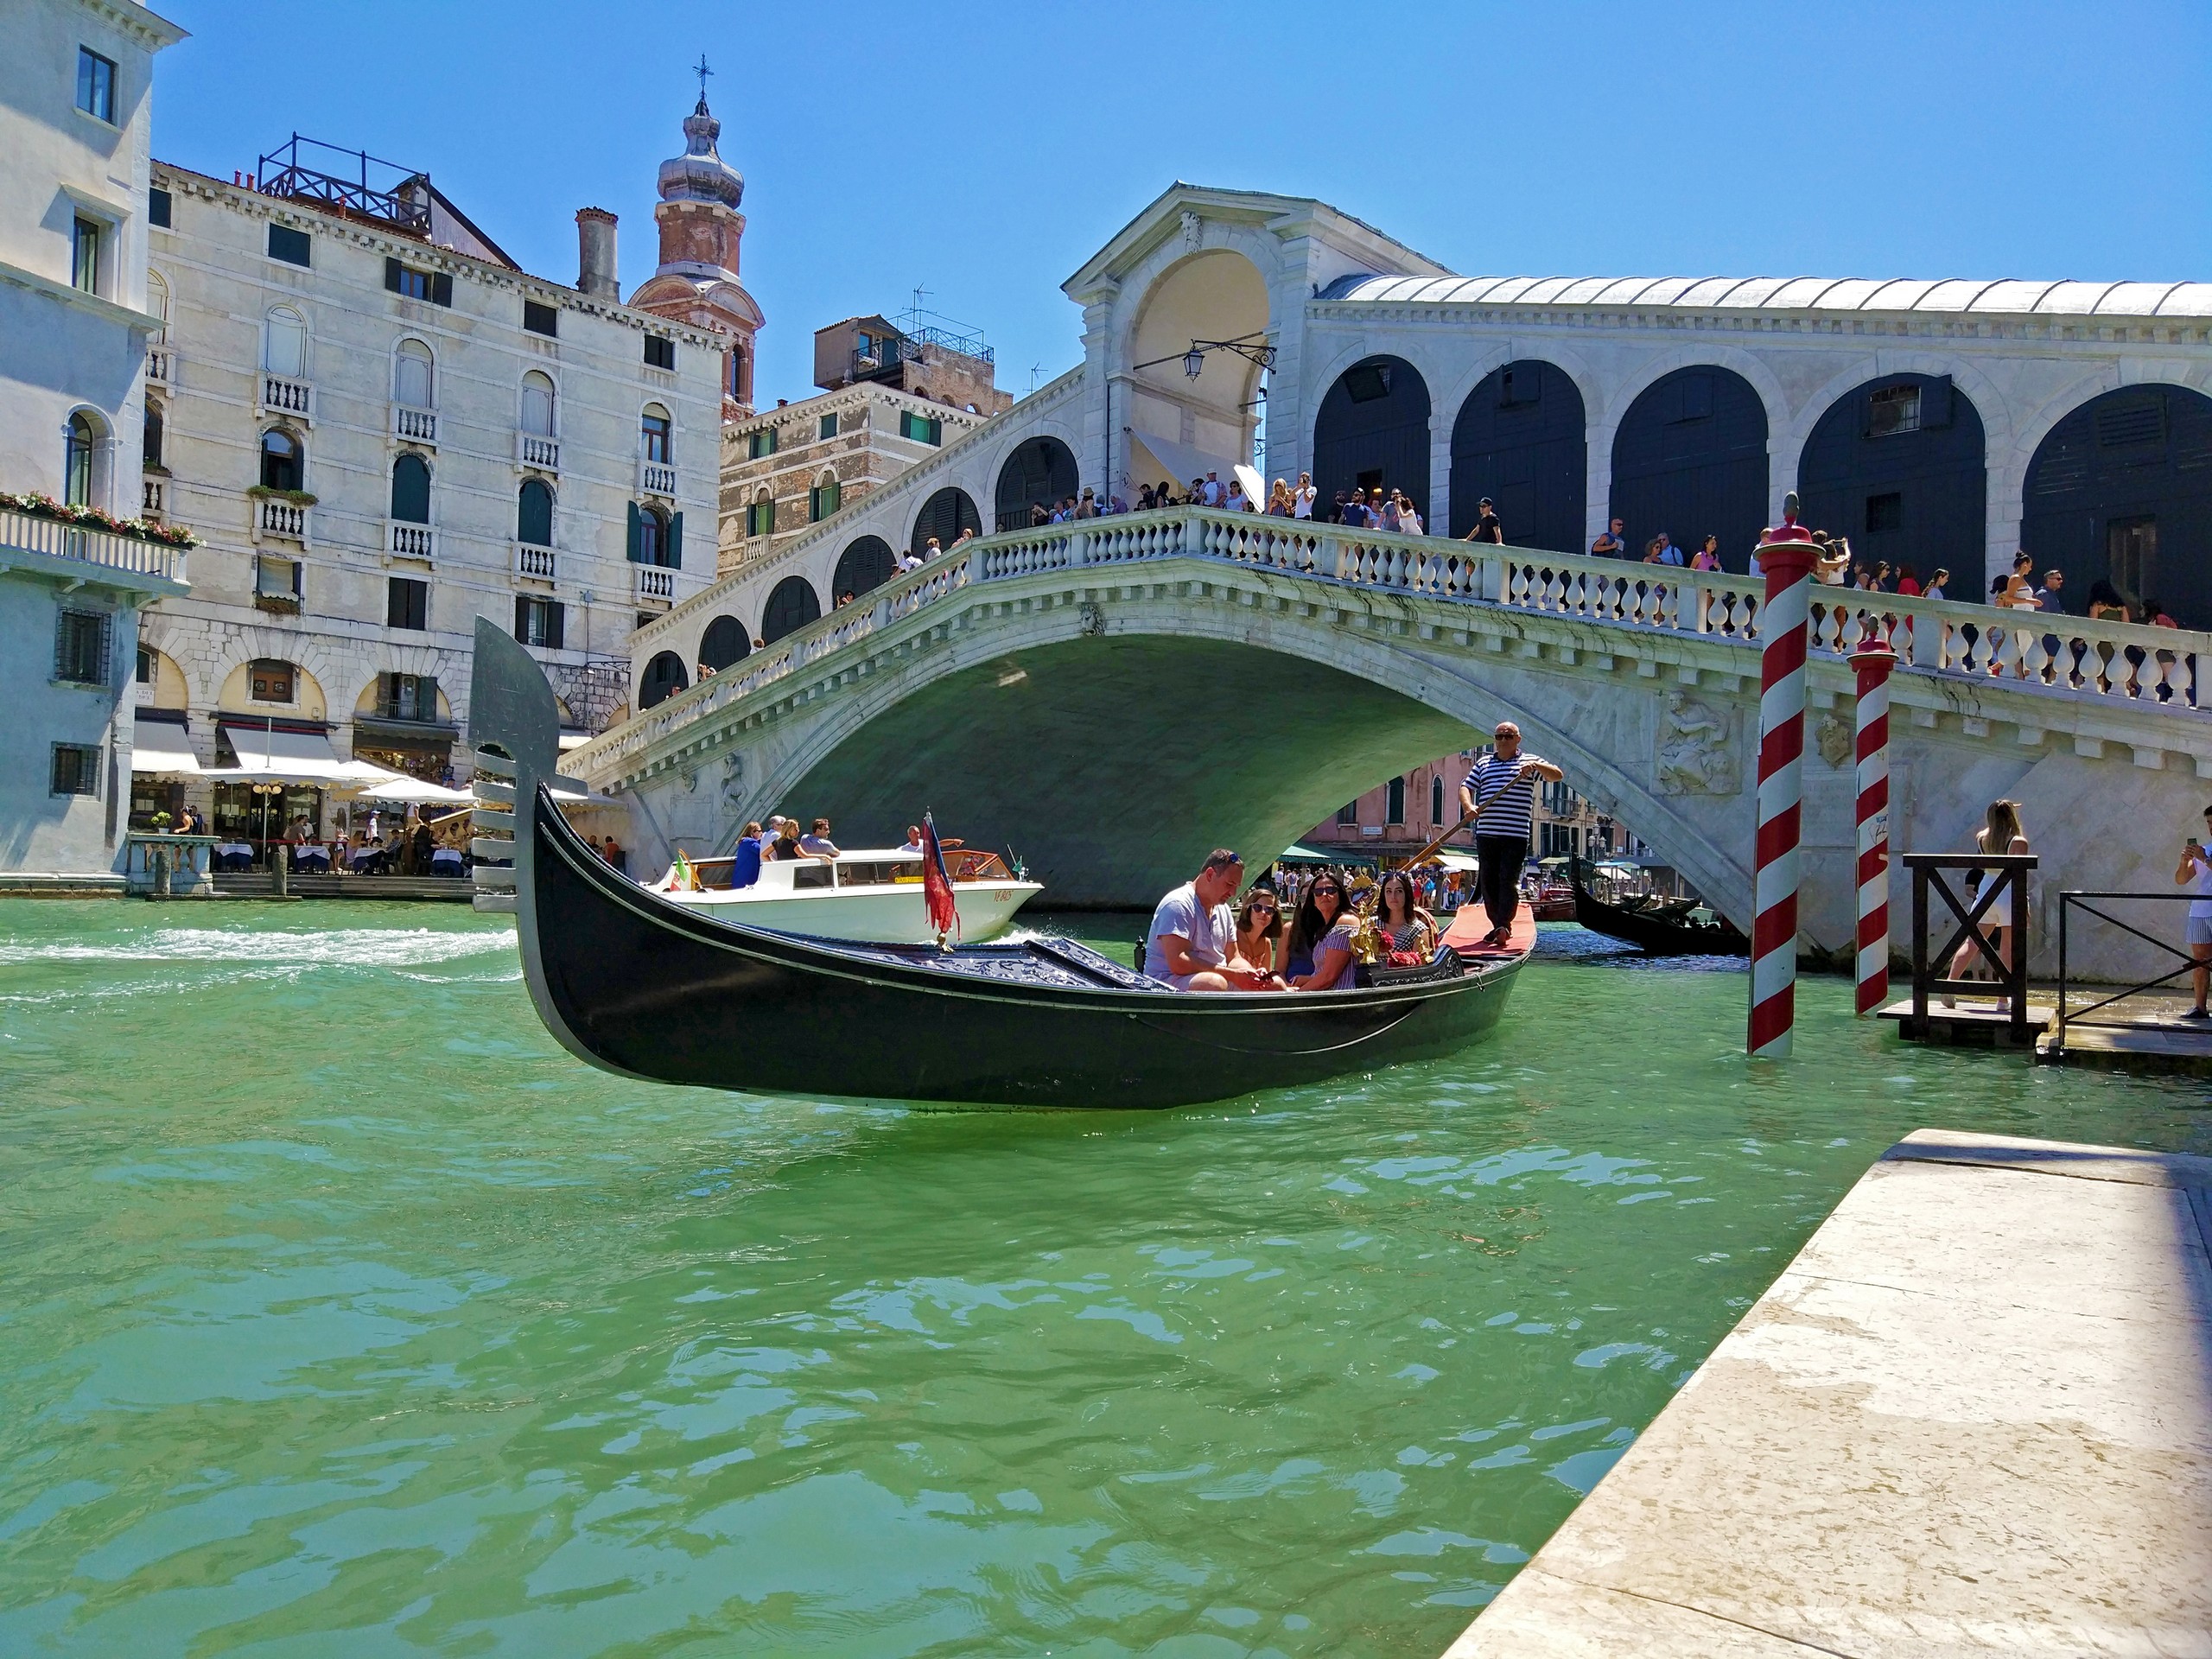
<point x="1652" y="934"/>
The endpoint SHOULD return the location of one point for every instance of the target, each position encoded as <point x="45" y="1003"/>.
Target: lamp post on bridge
<point x="1872" y="663"/>
<point x="1786" y="555"/>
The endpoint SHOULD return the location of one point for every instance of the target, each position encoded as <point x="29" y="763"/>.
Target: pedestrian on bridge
<point x="1499" y="792"/>
<point x="1487" y="528"/>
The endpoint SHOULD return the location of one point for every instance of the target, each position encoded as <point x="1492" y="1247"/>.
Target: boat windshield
<point x="878" y="872"/>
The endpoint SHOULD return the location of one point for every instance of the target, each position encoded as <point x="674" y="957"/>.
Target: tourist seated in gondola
<point x="1256" y="964"/>
<point x="1192" y="932"/>
<point x="1406" y="929"/>
<point x="1319" y="953"/>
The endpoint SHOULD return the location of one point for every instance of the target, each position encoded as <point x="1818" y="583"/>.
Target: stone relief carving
<point x="733" y="782"/>
<point x="1696" y="751"/>
<point x="1093" y="618"/>
<point x="1193" y="229"/>
<point x="1838" y="741"/>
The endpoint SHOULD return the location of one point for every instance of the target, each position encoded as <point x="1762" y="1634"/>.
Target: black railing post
<point x="2016" y="977"/>
<point x="2065" y="907"/>
<point x="1919" y="950"/>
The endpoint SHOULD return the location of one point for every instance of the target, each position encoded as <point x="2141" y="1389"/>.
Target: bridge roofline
<point x="1810" y="295"/>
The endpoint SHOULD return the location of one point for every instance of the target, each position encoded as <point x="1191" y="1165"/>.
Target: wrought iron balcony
<point x="308" y="169"/>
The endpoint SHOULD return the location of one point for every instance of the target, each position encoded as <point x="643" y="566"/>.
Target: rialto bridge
<point x="1113" y="697"/>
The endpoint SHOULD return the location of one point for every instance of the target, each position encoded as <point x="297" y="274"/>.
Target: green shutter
<point x="392" y="275"/>
<point x="633" y="554"/>
<point x="522" y="619"/>
<point x="676" y="543"/>
<point x="555" y="619"/>
<point x="442" y="288"/>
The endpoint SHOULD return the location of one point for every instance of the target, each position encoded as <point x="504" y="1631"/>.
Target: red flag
<point x="937" y="883"/>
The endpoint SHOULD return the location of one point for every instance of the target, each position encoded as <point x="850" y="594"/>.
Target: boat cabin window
<point x="877" y="875"/>
<point x="810" y="873"/>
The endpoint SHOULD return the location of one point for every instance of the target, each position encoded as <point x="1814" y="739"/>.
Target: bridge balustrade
<point x="2025" y="649"/>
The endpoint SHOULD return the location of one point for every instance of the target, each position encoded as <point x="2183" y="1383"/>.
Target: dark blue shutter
<point x="555" y="623"/>
<point x="633" y="533"/>
<point x="410" y="490"/>
<point x="442" y="288"/>
<point x="522" y="619"/>
<point x="534" y="513"/>
<point x="1935" y="401"/>
<point x="392" y="275"/>
<point x="676" y="543"/>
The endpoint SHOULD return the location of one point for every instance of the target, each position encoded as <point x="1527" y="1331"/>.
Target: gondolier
<point x="1499" y="793"/>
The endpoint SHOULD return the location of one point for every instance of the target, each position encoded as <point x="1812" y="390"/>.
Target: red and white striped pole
<point x="1872" y="663"/>
<point x="1786" y="556"/>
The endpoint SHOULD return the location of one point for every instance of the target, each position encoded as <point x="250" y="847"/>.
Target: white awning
<point x="275" y="756"/>
<point x="420" y="789"/>
<point x="1455" y="861"/>
<point x="161" y="750"/>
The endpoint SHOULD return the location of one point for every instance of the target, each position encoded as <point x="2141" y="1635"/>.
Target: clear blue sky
<point x="985" y="151"/>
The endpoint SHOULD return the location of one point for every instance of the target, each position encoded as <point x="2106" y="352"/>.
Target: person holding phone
<point x="2195" y="874"/>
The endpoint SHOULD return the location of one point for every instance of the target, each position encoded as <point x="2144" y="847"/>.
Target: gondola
<point x="1661" y="927"/>
<point x="637" y="985"/>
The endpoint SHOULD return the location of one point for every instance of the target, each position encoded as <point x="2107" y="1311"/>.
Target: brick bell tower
<point x="696" y="282"/>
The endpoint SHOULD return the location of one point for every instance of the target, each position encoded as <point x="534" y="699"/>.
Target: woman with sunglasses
<point x="1320" y="956"/>
<point x="1256" y="964"/>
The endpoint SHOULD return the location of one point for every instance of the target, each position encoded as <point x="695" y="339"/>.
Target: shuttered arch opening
<point x="1040" y="473"/>
<point x="866" y="563"/>
<point x="1897" y="465"/>
<point x="410" y="490"/>
<point x="1372" y="432"/>
<point x="1518" y="440"/>
<point x="664" y="677"/>
<point x="791" y="607"/>
<point x="945" y="516"/>
<point x="534" y="513"/>
<point x="723" y="643"/>
<point x="1690" y="459"/>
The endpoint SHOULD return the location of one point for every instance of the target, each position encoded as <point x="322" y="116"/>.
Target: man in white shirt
<point x="1193" y="931"/>
<point x="1210" y="492"/>
<point x="1302" y="500"/>
<point x="2196" y="873"/>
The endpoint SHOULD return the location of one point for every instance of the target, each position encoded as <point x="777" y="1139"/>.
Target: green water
<point x="342" y="1313"/>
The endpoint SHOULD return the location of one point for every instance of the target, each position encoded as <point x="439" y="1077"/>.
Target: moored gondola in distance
<point x="1660" y="927"/>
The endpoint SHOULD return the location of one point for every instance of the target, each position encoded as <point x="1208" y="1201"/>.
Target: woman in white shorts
<point x="2195" y="874"/>
<point x="2001" y="834"/>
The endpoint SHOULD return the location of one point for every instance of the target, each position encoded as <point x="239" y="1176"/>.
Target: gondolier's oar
<point x="1469" y="819"/>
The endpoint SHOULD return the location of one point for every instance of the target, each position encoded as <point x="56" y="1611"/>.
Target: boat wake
<point x="355" y="947"/>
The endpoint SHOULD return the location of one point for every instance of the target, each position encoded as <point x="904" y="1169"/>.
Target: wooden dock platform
<point x="260" y="884"/>
<point x="1972" y="1023"/>
<point x="1973" y="1416"/>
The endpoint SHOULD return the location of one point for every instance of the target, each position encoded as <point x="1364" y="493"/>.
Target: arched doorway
<point x="1690" y="459"/>
<point x="866" y="563"/>
<point x="664" y="677"/>
<point x="1519" y="440"/>
<point x="1895" y="465"/>
<point x="2121" y="491"/>
<point x="790" y="606"/>
<point x="1372" y="431"/>
<point x="723" y="643"/>
<point x="1039" y="474"/>
<point x="944" y="515"/>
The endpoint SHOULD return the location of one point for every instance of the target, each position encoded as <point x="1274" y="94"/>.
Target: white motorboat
<point x="873" y="895"/>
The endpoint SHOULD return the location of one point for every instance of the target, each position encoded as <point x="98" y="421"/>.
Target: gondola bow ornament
<point x="936" y="884"/>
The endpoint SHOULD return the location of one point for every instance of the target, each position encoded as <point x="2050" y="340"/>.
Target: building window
<point x="80" y="647"/>
<point x="759" y="445"/>
<point x="1892" y="409"/>
<point x="1348" y="813"/>
<point x="1396" y="810"/>
<point x="282" y="461"/>
<point x="275" y="578"/>
<point x="158" y="208"/>
<point x="411" y="377"/>
<point x="96" y="84"/>
<point x="760" y="517"/>
<point x="822" y="500"/>
<point x="76" y="769"/>
<point x="653" y="431"/>
<point x="536" y="404"/>
<point x="407" y="603"/>
<point x="541" y="319"/>
<point x="1885" y="513"/>
<point x="829" y="428"/>
<point x="290" y="246"/>
<point x="85" y="256"/>
<point x="1436" y="800"/>
<point x="273" y="681"/>
<point x="410" y="490"/>
<point x="285" y="351"/>
<point x="538" y="622"/>
<point x="146" y="675"/>
<point x="436" y="286"/>
<point x="920" y="428"/>
<point x="407" y="696"/>
<point x="79" y="444"/>
<point x="741" y="375"/>
<point x="660" y="352"/>
<point x="534" y="513"/>
<point x="150" y="450"/>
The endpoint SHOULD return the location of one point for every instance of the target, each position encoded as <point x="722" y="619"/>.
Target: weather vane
<point x="702" y="72"/>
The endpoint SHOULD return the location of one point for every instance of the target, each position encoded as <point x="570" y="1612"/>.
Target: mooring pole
<point x="1873" y="663"/>
<point x="1786" y="555"/>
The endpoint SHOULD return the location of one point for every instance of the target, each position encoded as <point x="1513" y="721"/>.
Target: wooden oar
<point x="1464" y="822"/>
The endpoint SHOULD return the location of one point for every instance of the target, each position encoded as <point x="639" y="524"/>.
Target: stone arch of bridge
<point x="1111" y="762"/>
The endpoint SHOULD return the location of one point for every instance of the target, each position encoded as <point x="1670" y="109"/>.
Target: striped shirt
<point x="1512" y="810"/>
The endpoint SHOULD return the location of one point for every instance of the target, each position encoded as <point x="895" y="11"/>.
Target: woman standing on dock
<point x="2001" y="834"/>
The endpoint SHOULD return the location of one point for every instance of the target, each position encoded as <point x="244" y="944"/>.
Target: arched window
<point x="283" y="461"/>
<point x="1436" y="800"/>
<point x="823" y="498"/>
<point x="534" y="513"/>
<point x="652" y="536"/>
<point x="80" y="443"/>
<point x="665" y="677"/>
<point x="866" y="563"/>
<point x="791" y="607"/>
<point x="723" y="643"/>
<point x="285" y="350"/>
<point x="157" y="302"/>
<point x="537" y="404"/>
<point x="740" y="386"/>
<point x="1396" y="805"/>
<point x="411" y="375"/>
<point x="151" y="447"/>
<point x="653" y="433"/>
<point x="410" y="490"/>
<point x="760" y="514"/>
<point x="945" y="516"/>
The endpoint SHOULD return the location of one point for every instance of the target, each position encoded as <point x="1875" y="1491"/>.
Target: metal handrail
<point x="2011" y="870"/>
<point x="2069" y="900"/>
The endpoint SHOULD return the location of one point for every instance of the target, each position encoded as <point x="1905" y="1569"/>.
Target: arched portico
<point x="1519" y="440"/>
<point x="1898" y="465"/>
<point x="1690" y="459"/>
<point x="1181" y="425"/>
<point x="1371" y="431"/>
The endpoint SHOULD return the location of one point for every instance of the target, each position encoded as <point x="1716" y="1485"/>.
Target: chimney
<point x="595" y="272"/>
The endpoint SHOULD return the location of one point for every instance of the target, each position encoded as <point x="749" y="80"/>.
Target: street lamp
<point x="1194" y="361"/>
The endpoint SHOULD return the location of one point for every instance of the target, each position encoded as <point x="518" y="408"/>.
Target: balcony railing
<point x="657" y="478"/>
<point x="160" y="364"/>
<point x="536" y="564"/>
<point x="281" y="395"/>
<point x="656" y="582"/>
<point x="149" y="496"/>
<point x="409" y="541"/>
<point x="59" y="541"/>
<point x="542" y="453"/>
<point x="273" y="516"/>
<point x="415" y="425"/>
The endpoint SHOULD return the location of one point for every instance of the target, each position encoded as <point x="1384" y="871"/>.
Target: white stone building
<point x="382" y="428"/>
<point x="76" y="82"/>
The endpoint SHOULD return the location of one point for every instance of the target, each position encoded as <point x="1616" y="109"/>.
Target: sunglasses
<point x="1261" y="909"/>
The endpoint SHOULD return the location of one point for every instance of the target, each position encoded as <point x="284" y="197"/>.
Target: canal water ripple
<point x="343" y="1313"/>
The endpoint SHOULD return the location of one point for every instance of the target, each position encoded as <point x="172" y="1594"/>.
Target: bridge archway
<point x="1690" y="459"/>
<point x="1372" y="430"/>
<point x="663" y="677"/>
<point x="945" y="516"/>
<point x="1040" y="473"/>
<point x="1182" y="425"/>
<point x="724" y="642"/>
<point x="865" y="563"/>
<point x="1898" y="464"/>
<point x="1519" y="440"/>
<point x="2120" y="490"/>
<point x="792" y="605"/>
